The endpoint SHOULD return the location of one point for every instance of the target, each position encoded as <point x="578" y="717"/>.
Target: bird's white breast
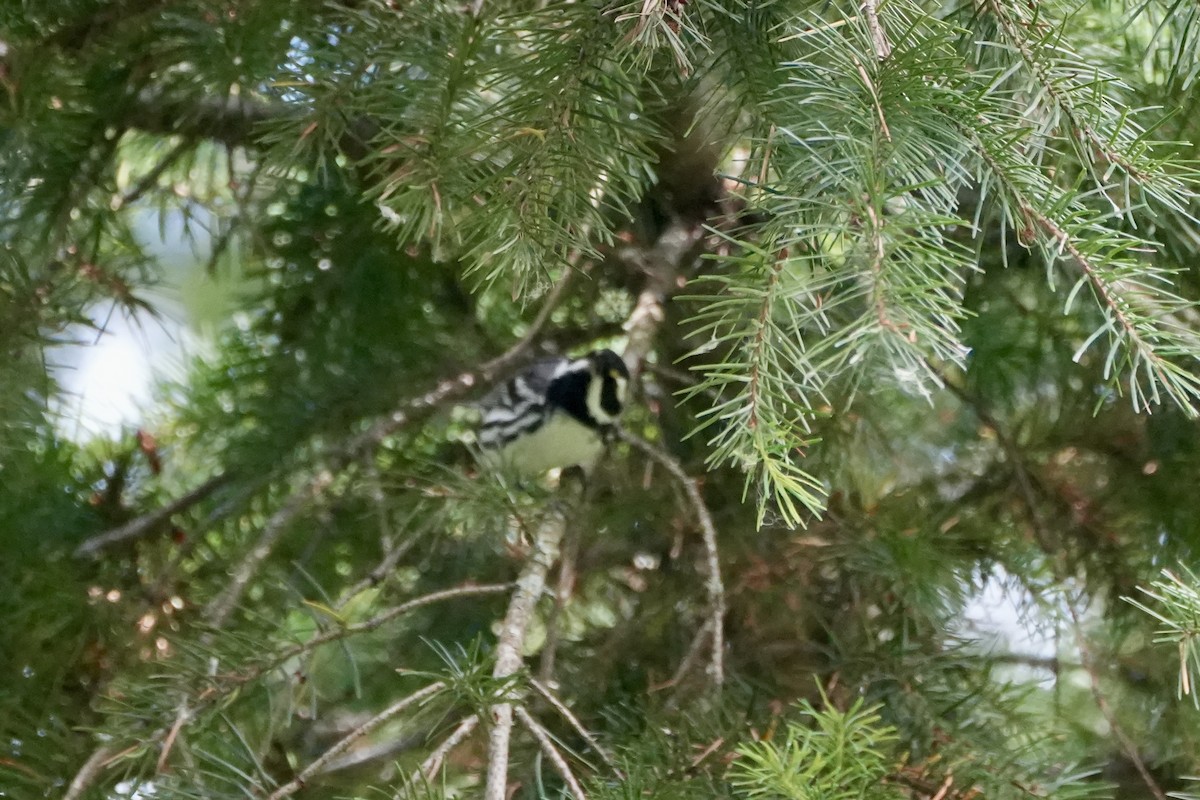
<point x="561" y="441"/>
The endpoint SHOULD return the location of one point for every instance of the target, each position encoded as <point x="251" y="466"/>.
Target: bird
<point x="555" y="413"/>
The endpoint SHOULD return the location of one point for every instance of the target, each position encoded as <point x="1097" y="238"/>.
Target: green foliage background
<point x="928" y="275"/>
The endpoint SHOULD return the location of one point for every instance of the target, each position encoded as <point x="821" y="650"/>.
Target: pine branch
<point x="1070" y="81"/>
<point x="218" y="688"/>
<point x="1138" y="310"/>
<point x="1178" y="610"/>
<point x="235" y="121"/>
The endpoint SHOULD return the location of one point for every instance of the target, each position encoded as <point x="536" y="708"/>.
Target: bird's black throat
<point x="568" y="392"/>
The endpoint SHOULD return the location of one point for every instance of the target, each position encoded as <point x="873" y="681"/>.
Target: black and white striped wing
<point x="517" y="407"/>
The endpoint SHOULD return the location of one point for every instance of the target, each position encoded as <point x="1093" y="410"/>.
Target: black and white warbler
<point x="555" y="413"/>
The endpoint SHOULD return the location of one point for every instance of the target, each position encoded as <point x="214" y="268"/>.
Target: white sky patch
<point x="1004" y="619"/>
<point x="109" y="371"/>
<point x="108" y="375"/>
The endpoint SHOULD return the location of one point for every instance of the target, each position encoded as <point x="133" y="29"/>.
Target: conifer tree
<point x="908" y="292"/>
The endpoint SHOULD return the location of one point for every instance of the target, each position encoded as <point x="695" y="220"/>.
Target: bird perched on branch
<point x="555" y="413"/>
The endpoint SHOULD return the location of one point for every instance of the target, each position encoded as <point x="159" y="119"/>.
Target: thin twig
<point x="471" y="590"/>
<point x="149" y="523"/>
<point x="218" y="611"/>
<point x="87" y="774"/>
<point x="181" y="719"/>
<point x="343" y="744"/>
<point x="386" y="566"/>
<point x="434" y="762"/>
<point x="150" y="179"/>
<point x="390" y="747"/>
<point x="708" y="532"/>
<point x="530" y="585"/>
<point x="553" y="299"/>
<point x="556" y="758"/>
<point x="870" y="84"/>
<point x="562" y="709"/>
<point x="689" y="660"/>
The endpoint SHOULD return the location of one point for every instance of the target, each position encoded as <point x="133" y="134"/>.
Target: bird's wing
<point x="516" y="406"/>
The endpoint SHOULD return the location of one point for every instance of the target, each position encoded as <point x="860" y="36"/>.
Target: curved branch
<point x="713" y="584"/>
<point x="343" y="744"/>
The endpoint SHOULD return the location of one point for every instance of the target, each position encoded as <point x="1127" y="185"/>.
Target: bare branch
<point x="561" y="708"/>
<point x="689" y="660"/>
<point x="530" y="585"/>
<point x="434" y="762"/>
<point x="150" y="179"/>
<point x="218" y="611"/>
<point x="879" y="39"/>
<point x="149" y="523"/>
<point x="662" y="265"/>
<point x="87" y="774"/>
<point x="708" y="531"/>
<point x="343" y="744"/>
<point x="556" y="758"/>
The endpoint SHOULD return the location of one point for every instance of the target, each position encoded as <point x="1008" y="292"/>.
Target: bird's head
<point x="607" y="386"/>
